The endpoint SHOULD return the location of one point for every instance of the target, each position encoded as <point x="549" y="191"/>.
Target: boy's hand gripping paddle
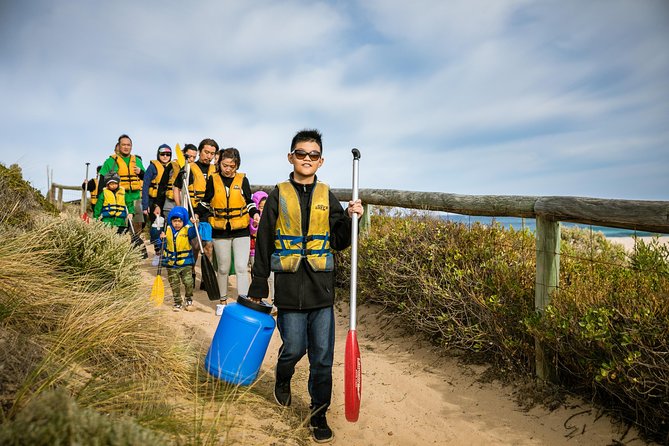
<point x="207" y="269"/>
<point x="158" y="289"/>
<point x="352" y="361"/>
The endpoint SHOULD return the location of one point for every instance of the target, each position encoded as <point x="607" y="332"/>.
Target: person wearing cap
<point x="152" y="180"/>
<point x="111" y="206"/>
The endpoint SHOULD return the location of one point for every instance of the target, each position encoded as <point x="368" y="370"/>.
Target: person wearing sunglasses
<point x="296" y="240"/>
<point x="152" y="179"/>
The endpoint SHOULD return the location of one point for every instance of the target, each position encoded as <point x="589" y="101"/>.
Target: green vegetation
<point x="472" y="290"/>
<point x="86" y="359"/>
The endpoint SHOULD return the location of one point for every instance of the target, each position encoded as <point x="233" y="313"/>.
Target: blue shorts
<point x="205" y="231"/>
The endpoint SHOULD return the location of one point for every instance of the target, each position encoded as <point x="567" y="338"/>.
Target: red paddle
<point x="352" y="361"/>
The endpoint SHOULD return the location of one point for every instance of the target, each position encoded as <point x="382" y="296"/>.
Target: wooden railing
<point x="56" y="195"/>
<point x="639" y="215"/>
<point x="651" y="216"/>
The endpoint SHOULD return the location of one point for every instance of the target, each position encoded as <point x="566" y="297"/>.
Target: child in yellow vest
<point x="110" y="207"/>
<point x="178" y="256"/>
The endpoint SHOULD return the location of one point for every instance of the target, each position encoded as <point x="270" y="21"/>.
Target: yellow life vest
<point x="199" y="185"/>
<point x="229" y="205"/>
<point x="94" y="192"/>
<point x="113" y="204"/>
<point x="290" y="244"/>
<point x="169" y="193"/>
<point x="129" y="180"/>
<point x="153" y="187"/>
<point x="178" y="251"/>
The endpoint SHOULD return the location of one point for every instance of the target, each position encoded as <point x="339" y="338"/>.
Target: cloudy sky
<point x="520" y="97"/>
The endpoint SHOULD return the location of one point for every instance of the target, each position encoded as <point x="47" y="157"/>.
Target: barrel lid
<point x="248" y="303"/>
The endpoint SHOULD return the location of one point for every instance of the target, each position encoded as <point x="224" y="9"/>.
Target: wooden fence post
<point x="365" y="221"/>
<point x="546" y="282"/>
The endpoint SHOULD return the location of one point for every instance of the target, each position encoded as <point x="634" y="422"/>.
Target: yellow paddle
<point x="158" y="289"/>
<point x="181" y="159"/>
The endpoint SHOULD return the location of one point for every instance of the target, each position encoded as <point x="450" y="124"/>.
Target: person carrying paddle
<point x="131" y="172"/>
<point x="93" y="186"/>
<point x="178" y="256"/>
<point x="165" y="199"/>
<point x="227" y="203"/>
<point x="296" y="240"/>
<point x="111" y="206"/>
<point x="152" y="180"/>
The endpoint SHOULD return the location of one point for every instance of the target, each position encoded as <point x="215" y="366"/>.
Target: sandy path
<point x="412" y="396"/>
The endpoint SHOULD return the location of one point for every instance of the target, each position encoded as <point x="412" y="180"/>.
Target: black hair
<point x="307" y="135"/>
<point x="207" y="142"/>
<point x="188" y="147"/>
<point x="230" y="153"/>
<point x="123" y="136"/>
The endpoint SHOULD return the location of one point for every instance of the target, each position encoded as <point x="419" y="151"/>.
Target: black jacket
<point x="304" y="289"/>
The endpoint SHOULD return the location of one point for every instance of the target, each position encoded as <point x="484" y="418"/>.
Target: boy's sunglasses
<point x="301" y="154"/>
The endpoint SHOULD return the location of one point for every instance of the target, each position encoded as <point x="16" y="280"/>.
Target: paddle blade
<point x="158" y="291"/>
<point x="352" y="377"/>
<point x="209" y="279"/>
<point x="181" y="159"/>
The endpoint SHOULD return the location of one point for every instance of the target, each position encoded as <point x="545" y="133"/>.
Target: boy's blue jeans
<point x="310" y="332"/>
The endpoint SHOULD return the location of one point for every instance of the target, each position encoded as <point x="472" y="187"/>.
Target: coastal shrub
<point x="609" y="334"/>
<point x="471" y="288"/>
<point x="20" y="201"/>
<point x="468" y="288"/>
<point x="55" y="418"/>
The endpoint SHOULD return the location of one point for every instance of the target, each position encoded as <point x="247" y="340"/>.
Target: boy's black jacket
<point x="304" y="289"/>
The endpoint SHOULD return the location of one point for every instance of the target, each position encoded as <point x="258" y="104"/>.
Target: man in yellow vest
<point x="131" y="172"/>
<point x="197" y="185"/>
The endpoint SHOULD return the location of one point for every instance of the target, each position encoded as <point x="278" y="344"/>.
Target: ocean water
<point x="530" y="223"/>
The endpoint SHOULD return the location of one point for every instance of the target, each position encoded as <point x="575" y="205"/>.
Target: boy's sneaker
<point x="320" y="430"/>
<point x="155" y="261"/>
<point x="177" y="307"/>
<point x="282" y="393"/>
<point x="189" y="304"/>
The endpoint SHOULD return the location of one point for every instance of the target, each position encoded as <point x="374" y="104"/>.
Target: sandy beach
<point x="629" y="242"/>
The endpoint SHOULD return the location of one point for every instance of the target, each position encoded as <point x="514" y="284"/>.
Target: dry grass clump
<point x="472" y="289"/>
<point x="89" y="329"/>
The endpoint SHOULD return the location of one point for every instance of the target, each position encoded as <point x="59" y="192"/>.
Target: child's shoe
<point x="155" y="261"/>
<point x="189" y="304"/>
<point x="177" y="307"/>
<point x="320" y="430"/>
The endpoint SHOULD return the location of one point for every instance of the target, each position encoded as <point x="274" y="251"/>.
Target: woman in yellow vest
<point x="228" y="204"/>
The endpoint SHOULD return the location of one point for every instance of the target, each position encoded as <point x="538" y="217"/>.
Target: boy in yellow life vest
<point x="178" y="256"/>
<point x="301" y="224"/>
<point x="111" y="207"/>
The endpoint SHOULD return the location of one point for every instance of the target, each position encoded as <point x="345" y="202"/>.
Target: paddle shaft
<point x="354" y="246"/>
<point x="84" y="194"/>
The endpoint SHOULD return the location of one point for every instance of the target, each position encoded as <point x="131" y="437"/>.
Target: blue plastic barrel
<point x="240" y="342"/>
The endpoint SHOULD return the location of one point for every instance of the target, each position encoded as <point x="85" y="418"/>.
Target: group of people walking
<point x="217" y="198"/>
<point x="302" y="224"/>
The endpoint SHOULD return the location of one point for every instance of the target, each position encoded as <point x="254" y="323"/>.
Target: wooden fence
<point x="56" y="195"/>
<point x="651" y="216"/>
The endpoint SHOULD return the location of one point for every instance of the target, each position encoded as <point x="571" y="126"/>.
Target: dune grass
<point x="78" y="333"/>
